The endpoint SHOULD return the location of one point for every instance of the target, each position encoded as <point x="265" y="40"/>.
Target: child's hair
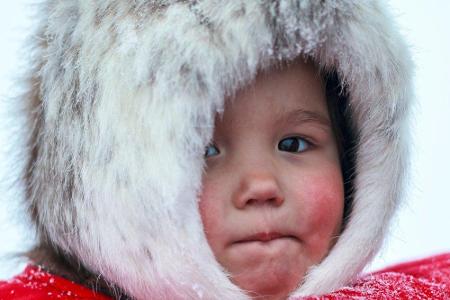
<point x="346" y="139"/>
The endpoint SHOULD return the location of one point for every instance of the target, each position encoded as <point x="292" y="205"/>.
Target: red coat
<point x="428" y="278"/>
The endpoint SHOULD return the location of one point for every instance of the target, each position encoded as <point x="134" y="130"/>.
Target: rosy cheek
<point x="324" y="202"/>
<point x="205" y="207"/>
<point x="210" y="214"/>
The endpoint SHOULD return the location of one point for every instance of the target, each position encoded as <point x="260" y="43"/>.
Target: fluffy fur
<point x="121" y="104"/>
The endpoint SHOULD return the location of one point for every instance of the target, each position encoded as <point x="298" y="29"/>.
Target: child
<point x="273" y="193"/>
<point x="302" y="107"/>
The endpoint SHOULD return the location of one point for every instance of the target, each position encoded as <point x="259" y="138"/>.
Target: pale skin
<point x="272" y="198"/>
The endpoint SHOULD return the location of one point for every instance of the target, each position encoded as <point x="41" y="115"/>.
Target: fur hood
<point x="114" y="82"/>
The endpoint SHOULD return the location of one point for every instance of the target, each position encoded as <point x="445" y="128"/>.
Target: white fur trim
<point x="129" y="91"/>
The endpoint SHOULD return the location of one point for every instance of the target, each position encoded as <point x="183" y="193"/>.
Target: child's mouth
<point x="264" y="237"/>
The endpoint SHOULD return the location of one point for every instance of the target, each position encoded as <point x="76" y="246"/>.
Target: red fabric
<point x="36" y="284"/>
<point x="427" y="278"/>
<point x="422" y="279"/>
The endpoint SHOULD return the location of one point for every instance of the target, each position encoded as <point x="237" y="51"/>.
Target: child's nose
<point x="258" y="188"/>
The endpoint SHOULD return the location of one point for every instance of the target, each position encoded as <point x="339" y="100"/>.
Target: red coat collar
<point x="35" y="284"/>
<point x="427" y="278"/>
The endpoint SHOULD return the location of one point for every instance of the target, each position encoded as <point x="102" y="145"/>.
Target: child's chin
<point x="274" y="268"/>
<point x="269" y="284"/>
<point x="273" y="279"/>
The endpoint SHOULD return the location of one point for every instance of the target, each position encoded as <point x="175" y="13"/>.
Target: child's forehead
<point x="292" y="93"/>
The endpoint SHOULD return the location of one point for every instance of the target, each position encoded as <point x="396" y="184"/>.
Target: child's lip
<point x="264" y="237"/>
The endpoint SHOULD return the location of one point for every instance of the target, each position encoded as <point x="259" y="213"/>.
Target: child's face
<point x="272" y="198"/>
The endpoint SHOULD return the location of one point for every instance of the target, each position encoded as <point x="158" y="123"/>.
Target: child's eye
<point x="293" y="144"/>
<point x="211" y="150"/>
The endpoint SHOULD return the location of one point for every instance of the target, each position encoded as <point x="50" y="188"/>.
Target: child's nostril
<point x="274" y="201"/>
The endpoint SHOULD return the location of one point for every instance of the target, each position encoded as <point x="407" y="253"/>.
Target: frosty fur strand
<point x="119" y="81"/>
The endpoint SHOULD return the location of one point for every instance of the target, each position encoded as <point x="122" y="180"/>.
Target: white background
<point x="423" y="224"/>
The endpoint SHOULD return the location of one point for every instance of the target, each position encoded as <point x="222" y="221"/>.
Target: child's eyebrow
<point x="301" y="115"/>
